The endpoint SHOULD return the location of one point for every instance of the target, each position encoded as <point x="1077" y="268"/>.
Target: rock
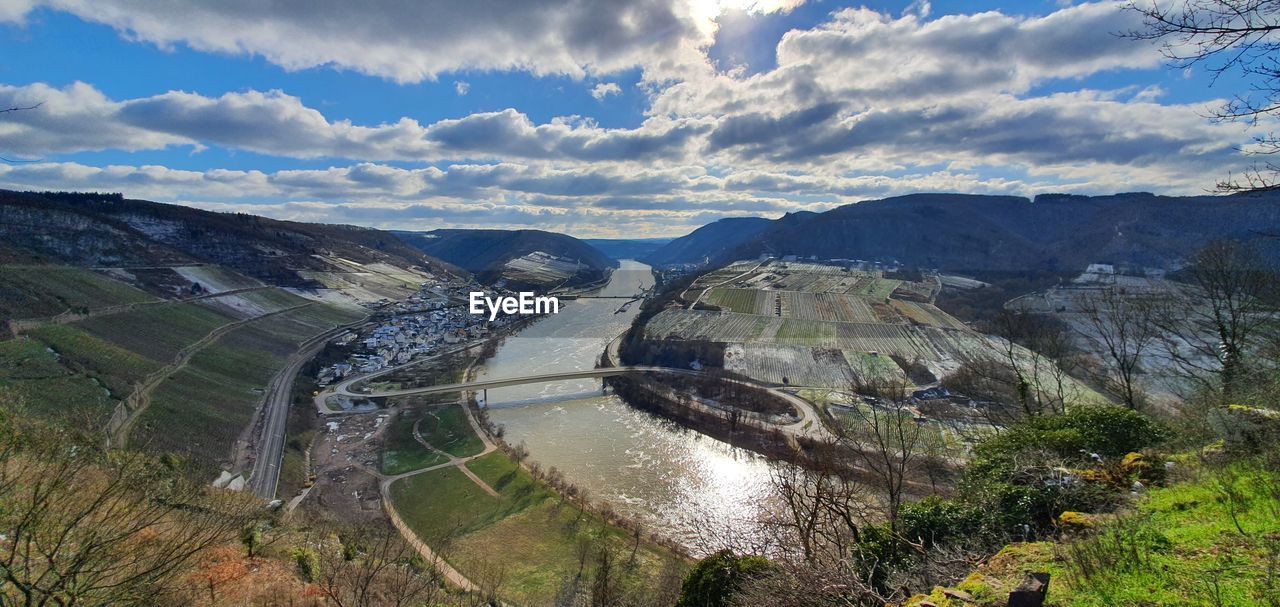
<point x="1076" y="521"/>
<point x="1031" y="592"/>
<point x="959" y="595"/>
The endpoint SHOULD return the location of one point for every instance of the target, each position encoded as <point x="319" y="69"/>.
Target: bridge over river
<point x="345" y="388"/>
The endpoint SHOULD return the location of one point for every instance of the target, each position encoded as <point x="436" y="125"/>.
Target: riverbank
<point x="511" y="530"/>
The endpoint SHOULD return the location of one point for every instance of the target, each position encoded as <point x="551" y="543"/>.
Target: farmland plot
<point x="745" y="301"/>
<point x="713" y="326"/>
<point x="790" y="365"/>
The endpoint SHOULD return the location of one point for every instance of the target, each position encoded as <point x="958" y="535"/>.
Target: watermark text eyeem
<point x="525" y="303"/>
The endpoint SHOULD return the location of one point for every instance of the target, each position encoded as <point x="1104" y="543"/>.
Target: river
<point x="687" y="486"/>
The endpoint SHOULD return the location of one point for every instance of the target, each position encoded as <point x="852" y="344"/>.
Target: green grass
<point x="1179" y="546"/>
<point x="528" y="533"/>
<point x="807" y="331"/>
<point x="200" y="410"/>
<point x="448" y="430"/>
<point x="879" y="366"/>
<point x="44" y="291"/>
<point x="1192" y="552"/>
<point x="456" y="505"/>
<point x="879" y="289"/>
<point x="401" y="452"/>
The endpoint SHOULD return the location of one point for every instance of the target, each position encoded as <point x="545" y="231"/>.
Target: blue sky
<point x="594" y="118"/>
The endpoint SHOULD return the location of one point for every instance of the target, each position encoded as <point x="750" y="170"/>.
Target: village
<point x="423" y="325"/>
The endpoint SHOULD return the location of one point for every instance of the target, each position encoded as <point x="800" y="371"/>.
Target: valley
<point x="651" y="419"/>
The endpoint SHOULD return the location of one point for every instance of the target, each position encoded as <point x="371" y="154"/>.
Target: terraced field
<point x="200" y="410"/>
<point x="926" y="314"/>
<point x="44" y="291"/>
<point x="789" y="365"/>
<point x="112" y="366"/>
<point x="746" y="301"/>
<point x="157" y="332"/>
<point x="33" y="379"/>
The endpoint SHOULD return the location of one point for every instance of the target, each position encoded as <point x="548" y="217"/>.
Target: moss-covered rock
<point x="1076" y="521"/>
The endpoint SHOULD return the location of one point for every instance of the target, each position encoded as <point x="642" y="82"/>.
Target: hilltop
<point x="520" y="257"/>
<point x="108" y="230"/>
<point x="977" y="232"/>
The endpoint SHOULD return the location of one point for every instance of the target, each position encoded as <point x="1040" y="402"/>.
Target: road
<point x="269" y="444"/>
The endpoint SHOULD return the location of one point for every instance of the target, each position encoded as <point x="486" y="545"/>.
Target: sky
<point x="597" y="118"/>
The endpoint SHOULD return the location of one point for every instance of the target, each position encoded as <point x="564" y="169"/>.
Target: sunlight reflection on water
<point x="671" y="479"/>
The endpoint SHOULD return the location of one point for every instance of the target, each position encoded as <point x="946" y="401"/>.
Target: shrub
<point x="934" y="520"/>
<point x="308" y="563"/>
<point x="712" y="582"/>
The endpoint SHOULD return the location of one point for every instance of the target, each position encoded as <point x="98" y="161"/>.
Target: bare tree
<point x="886" y="442"/>
<point x="1120" y="326"/>
<point x="1237" y="37"/>
<point x="1028" y="372"/>
<point x="1211" y="324"/>
<point x="84" y="526"/>
<point x="373" y="565"/>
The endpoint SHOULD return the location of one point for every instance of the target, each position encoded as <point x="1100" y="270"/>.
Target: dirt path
<point x="459" y="462"/>
<point x="453" y="576"/>
<point x="130" y="409"/>
<point x="27" y="324"/>
<point x="723" y="282"/>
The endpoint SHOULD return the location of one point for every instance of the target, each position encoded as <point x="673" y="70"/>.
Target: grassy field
<point x="448" y="430"/>
<point x="201" y="410"/>
<point x="734" y="300"/>
<point x="808" y="332"/>
<point x="401" y="452"/>
<point x="877" y="289"/>
<point x="528" y="533"/>
<point x="44" y="291"/>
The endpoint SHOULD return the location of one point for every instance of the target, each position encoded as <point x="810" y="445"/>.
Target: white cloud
<point x="604" y="89"/>
<point x="461" y="87"/>
<point x="412" y="41"/>
<point x="919" y="8"/>
<point x="80" y="118"/>
<point x="861" y="106"/>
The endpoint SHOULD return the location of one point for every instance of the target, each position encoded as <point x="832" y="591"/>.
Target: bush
<point x="712" y="582"/>
<point x="1107" y="430"/>
<point x="935" y="520"/>
<point x="1018" y="478"/>
<point x="1111" y="431"/>
<point x="308" y="563"/>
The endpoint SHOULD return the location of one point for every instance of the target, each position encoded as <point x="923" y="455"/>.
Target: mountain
<point x="637" y="248"/>
<point x="977" y="232"/>
<point x="108" y="230"/>
<point x="712" y="241"/>
<point x="520" y="257"/>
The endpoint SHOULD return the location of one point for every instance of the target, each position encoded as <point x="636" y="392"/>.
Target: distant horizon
<point x="669" y="237"/>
